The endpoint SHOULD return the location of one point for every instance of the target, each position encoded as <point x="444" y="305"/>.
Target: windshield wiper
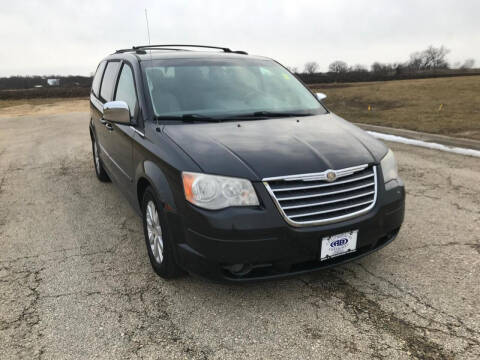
<point x="247" y="116"/>
<point x="280" y="114"/>
<point x="266" y="114"/>
<point x="186" y="117"/>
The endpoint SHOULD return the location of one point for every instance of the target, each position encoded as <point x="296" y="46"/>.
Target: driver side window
<point x="126" y="89"/>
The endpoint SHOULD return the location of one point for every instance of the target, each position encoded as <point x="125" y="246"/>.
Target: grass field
<point x="449" y="106"/>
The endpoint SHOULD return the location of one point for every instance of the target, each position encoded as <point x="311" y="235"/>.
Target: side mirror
<point x="117" y="112"/>
<point x="321" y="96"/>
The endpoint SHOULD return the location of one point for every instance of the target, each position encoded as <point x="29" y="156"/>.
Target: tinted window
<point x="98" y="78"/>
<point x="126" y="89"/>
<point x="108" y="83"/>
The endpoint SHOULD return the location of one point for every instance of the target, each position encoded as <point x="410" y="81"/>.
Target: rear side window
<point x="108" y="83"/>
<point x="98" y="78"/>
<point x="126" y="89"/>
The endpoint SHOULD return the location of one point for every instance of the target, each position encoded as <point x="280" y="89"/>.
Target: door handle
<point x="103" y="121"/>
<point x="109" y="126"/>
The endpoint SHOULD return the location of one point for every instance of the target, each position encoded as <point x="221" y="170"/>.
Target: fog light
<point x="239" y="269"/>
<point x="236" y="268"/>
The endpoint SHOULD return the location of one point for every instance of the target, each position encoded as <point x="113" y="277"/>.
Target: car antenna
<point x="148" y="28"/>
<point x="149" y="43"/>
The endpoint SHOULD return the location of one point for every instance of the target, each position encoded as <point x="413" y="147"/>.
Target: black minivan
<point x="238" y="170"/>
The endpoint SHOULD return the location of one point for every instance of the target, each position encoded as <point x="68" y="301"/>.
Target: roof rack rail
<point x="141" y="49"/>
<point x="225" y="49"/>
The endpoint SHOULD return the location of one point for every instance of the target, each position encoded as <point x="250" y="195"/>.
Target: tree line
<point x="28" y="82"/>
<point x="430" y="62"/>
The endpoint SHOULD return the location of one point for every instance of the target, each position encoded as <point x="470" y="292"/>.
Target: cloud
<point x="71" y="37"/>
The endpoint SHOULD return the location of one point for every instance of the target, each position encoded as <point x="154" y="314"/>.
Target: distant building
<point x="53" y="82"/>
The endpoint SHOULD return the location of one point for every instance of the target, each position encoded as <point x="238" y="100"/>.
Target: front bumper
<point x="210" y="241"/>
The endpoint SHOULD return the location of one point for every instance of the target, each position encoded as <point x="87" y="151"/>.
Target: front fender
<point x="158" y="180"/>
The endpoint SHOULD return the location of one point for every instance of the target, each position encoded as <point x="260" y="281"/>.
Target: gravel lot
<point x="75" y="281"/>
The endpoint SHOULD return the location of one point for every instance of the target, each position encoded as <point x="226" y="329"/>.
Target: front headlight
<point x="217" y="192"/>
<point x="389" y="167"/>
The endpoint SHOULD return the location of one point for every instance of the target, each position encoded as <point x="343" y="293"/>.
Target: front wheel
<point x="97" y="163"/>
<point x="157" y="237"/>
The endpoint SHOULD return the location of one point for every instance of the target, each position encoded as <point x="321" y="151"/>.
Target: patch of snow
<point x="425" y="144"/>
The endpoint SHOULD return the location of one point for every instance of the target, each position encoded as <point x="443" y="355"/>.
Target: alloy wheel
<point x="154" y="231"/>
<point x="95" y="155"/>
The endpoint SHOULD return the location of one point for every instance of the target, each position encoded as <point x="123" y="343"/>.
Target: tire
<point x="97" y="163"/>
<point x="157" y="237"/>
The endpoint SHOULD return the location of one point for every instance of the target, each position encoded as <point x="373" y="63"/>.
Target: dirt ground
<point x="75" y="280"/>
<point x="13" y="108"/>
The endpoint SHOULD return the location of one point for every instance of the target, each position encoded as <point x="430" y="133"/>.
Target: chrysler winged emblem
<point x="330" y="175"/>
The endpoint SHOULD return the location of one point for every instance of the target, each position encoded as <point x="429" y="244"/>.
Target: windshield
<point x="219" y="88"/>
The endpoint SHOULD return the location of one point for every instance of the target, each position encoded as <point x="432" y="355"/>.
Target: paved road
<point x="75" y="281"/>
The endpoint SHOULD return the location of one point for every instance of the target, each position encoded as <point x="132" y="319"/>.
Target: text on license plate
<point x="339" y="244"/>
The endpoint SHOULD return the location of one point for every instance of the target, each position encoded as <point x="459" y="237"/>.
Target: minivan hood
<point x="275" y="147"/>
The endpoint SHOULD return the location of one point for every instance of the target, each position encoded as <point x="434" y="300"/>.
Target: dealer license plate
<point x="339" y="244"/>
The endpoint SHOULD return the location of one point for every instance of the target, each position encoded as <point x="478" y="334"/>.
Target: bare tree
<point x="434" y="58"/>
<point x="311" y="67"/>
<point x="416" y="62"/>
<point x="338" y="67"/>
<point x="293" y="69"/>
<point x="468" y="64"/>
<point x="431" y="58"/>
<point x="380" y="68"/>
<point x="358" y="68"/>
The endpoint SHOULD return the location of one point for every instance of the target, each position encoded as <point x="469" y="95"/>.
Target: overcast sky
<point x="70" y="37"/>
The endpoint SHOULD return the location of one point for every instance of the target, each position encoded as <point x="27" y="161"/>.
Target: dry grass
<point x="449" y="106"/>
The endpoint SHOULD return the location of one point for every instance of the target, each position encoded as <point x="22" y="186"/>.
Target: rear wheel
<point x="157" y="237"/>
<point x="97" y="163"/>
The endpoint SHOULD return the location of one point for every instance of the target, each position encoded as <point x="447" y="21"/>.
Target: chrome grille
<point x="310" y="199"/>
